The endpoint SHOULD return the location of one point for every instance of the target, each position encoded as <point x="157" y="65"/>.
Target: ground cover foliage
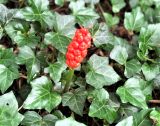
<point x="117" y="84"/>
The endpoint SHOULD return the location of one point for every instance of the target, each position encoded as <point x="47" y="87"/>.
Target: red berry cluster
<point x="77" y="49"/>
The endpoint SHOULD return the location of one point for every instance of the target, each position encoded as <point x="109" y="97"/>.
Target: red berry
<point x="69" y="56"/>
<point x="75" y="44"/>
<point x="70" y="49"/>
<point x="77" y="49"/>
<point x="78" y="59"/>
<point x="83" y="46"/>
<point x="79" y="39"/>
<point x="73" y="64"/>
<point x="77" y="52"/>
<point x="84" y="53"/>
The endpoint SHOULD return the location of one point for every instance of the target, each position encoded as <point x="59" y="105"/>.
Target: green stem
<point x="68" y="81"/>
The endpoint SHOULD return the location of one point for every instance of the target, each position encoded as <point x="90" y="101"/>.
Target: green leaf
<point x="148" y="38"/>
<point x="8" y="72"/>
<point x="101" y="110"/>
<point x="142" y="118"/>
<point x="26" y="56"/>
<point x="126" y="122"/>
<point x="138" y="119"/>
<point x="133" y="3"/>
<point x="60" y="42"/>
<point x="132" y="67"/>
<point x="119" y="54"/>
<point x="155" y="116"/>
<point x="131" y="92"/>
<point x="75" y="6"/>
<point x="99" y="94"/>
<point x="56" y="69"/>
<point x="75" y="101"/>
<point x="100" y="73"/>
<point x="19" y="32"/>
<point x="64" y="25"/>
<point x="150" y="71"/>
<point x="59" y="2"/>
<point x="42" y="95"/>
<point x="34" y="119"/>
<point x="3" y="1"/>
<point x="150" y="35"/>
<point x="82" y="14"/>
<point x="111" y="20"/>
<point x="68" y="122"/>
<point x="126" y="110"/>
<point x="37" y="11"/>
<point x="7" y="57"/>
<point x="102" y="35"/>
<point x="9" y="115"/>
<point x="7" y="76"/>
<point x="92" y="1"/>
<point x="117" y="5"/>
<point x="6" y="14"/>
<point x="124" y="43"/>
<point x="1" y="32"/>
<point x="134" y="20"/>
<point x="100" y="106"/>
<point x="31" y="118"/>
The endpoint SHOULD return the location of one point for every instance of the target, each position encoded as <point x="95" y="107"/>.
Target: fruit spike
<point x="77" y="49"/>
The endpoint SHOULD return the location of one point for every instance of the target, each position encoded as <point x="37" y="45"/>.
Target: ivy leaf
<point x="138" y="119"/>
<point x="7" y="76"/>
<point x="111" y="20"/>
<point x="82" y="14"/>
<point x="102" y="35"/>
<point x="126" y="122"/>
<point x="100" y="73"/>
<point x="9" y="115"/>
<point x="59" y="2"/>
<point x="63" y="25"/>
<point x="26" y="56"/>
<point x="131" y="92"/>
<point x="75" y="101"/>
<point x="134" y="20"/>
<point x="148" y="38"/>
<point x="3" y="1"/>
<point x="117" y="5"/>
<point x="6" y="14"/>
<point x="126" y="110"/>
<point x="142" y="118"/>
<point x="101" y="110"/>
<point x="42" y="96"/>
<point x="150" y="35"/>
<point x="68" y="122"/>
<point x="19" y="32"/>
<point x="132" y="67"/>
<point x="150" y="71"/>
<point x="8" y="72"/>
<point x="32" y="118"/>
<point x="92" y="1"/>
<point x="37" y="11"/>
<point x="56" y="69"/>
<point x="60" y="42"/>
<point x="64" y="28"/>
<point x="100" y="107"/>
<point x="155" y="116"/>
<point x="119" y="54"/>
<point x="1" y="32"/>
<point x="99" y="94"/>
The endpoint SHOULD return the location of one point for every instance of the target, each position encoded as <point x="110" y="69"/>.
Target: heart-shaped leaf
<point x="42" y="95"/>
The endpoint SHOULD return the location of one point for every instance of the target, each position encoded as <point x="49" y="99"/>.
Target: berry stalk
<point x="69" y="79"/>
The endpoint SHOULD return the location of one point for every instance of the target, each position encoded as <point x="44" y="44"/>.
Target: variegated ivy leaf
<point x="100" y="73"/>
